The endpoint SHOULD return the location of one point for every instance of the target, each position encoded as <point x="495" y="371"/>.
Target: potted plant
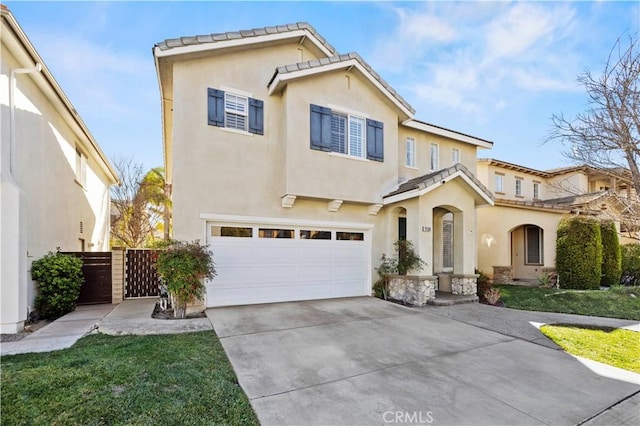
<point x="183" y="267"/>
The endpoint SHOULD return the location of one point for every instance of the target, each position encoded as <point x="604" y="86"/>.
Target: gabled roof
<point x="233" y="38"/>
<point x="26" y="52"/>
<point x="347" y="61"/>
<point x="423" y="184"/>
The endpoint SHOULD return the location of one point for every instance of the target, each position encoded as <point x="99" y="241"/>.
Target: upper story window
<point x="499" y="183"/>
<point x="411" y="152"/>
<point x="349" y="134"/>
<point x="433" y="157"/>
<point x="536" y="190"/>
<point x="456" y="156"/>
<point x="518" y="187"/>
<point x="235" y="111"/>
<point x="81" y="167"/>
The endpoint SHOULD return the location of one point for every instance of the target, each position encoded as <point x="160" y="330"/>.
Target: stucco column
<point x="424" y="242"/>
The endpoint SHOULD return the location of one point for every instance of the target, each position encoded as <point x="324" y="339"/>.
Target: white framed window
<point x="499" y="183"/>
<point x="81" y="167"/>
<point x="455" y="158"/>
<point x="518" y="187"/>
<point x="536" y="190"/>
<point x="433" y="157"/>
<point x="447" y="242"/>
<point x="411" y="152"/>
<point x="348" y="134"/>
<point x="533" y="245"/>
<point x="236" y="111"/>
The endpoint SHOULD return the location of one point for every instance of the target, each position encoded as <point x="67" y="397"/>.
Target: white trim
<point x="236" y="91"/>
<point x="447" y="133"/>
<point x="236" y="131"/>
<point x="283" y="78"/>
<point x="411" y="168"/>
<point x="347" y="156"/>
<point x="214" y="217"/>
<point x="420" y="192"/>
<point x="341" y="109"/>
<point x="244" y="41"/>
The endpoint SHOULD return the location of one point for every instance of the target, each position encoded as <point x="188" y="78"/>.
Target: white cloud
<point x="526" y="27"/>
<point x="420" y="28"/>
<point x="477" y="58"/>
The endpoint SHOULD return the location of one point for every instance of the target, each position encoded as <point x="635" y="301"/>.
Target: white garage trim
<point x="255" y="269"/>
<point x="209" y="217"/>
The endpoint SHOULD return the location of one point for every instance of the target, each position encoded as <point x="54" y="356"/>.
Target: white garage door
<point x="268" y="263"/>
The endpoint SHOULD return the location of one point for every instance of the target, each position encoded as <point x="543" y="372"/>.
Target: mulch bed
<point x="28" y="329"/>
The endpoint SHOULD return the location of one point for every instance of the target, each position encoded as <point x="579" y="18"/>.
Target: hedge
<point x="611" y="256"/>
<point x="630" y="264"/>
<point x="579" y="253"/>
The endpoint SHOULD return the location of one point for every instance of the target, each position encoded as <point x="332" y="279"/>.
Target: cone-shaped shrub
<point x="579" y="253"/>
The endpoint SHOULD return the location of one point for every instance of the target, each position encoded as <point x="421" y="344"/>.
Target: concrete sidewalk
<point x="61" y="333"/>
<point x="133" y="316"/>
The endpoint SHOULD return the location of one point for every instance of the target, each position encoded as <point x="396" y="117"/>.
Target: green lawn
<point x="615" y="303"/>
<point x="616" y="347"/>
<point x="171" y="379"/>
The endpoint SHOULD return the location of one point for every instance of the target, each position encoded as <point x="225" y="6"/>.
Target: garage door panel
<point x="265" y="270"/>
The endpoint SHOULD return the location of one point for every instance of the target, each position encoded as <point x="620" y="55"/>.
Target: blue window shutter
<point x="216" y="107"/>
<point x="256" y="116"/>
<point x="375" y="140"/>
<point x="320" y="128"/>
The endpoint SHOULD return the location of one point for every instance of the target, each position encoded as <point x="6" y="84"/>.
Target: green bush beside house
<point x="611" y="256"/>
<point x="59" y="278"/>
<point x="579" y="253"/>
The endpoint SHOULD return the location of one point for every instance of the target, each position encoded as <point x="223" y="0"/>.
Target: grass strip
<point x="619" y="302"/>
<point x="616" y="347"/>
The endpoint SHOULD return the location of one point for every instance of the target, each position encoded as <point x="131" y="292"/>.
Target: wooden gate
<point x="96" y="269"/>
<point x="141" y="279"/>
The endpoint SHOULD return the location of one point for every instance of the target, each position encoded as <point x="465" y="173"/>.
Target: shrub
<point x="611" y="257"/>
<point x="630" y="264"/>
<point x="484" y="284"/>
<point x="405" y="260"/>
<point x="183" y="266"/>
<point x="579" y="253"/>
<point x="59" y="278"/>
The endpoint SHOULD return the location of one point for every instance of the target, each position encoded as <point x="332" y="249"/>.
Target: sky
<point x="494" y="70"/>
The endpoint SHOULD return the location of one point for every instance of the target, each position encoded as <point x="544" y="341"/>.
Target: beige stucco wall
<point x="498" y="247"/>
<point x="51" y="204"/>
<point x="423" y="141"/>
<point x="568" y="184"/>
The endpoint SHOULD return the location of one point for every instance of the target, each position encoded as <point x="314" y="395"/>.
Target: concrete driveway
<point x="366" y="361"/>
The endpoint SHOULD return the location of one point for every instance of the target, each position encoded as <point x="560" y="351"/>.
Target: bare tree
<point x="138" y="205"/>
<point x="607" y="135"/>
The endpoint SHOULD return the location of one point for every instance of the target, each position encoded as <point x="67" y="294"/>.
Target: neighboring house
<point x="517" y="237"/>
<point x="55" y="179"/>
<point x="301" y="167"/>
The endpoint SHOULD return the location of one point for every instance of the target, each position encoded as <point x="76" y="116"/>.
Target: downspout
<point x="12" y="111"/>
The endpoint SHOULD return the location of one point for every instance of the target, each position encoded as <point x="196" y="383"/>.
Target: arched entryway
<point x="527" y="251"/>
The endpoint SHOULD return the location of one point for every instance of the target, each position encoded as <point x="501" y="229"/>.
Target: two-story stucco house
<point x="54" y="178"/>
<point x="517" y="237"/>
<point x="301" y="167"/>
